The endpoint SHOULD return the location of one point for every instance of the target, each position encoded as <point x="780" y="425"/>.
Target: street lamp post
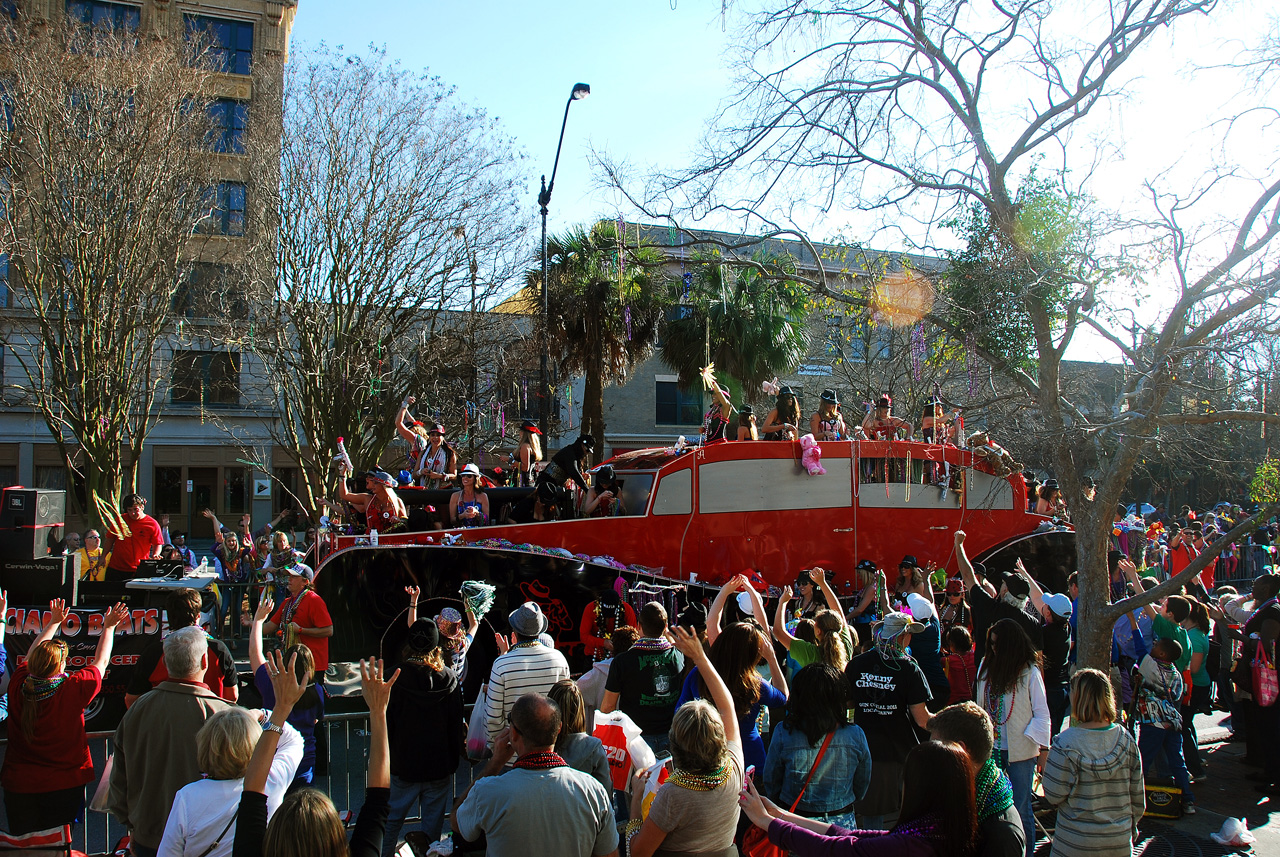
<point x="580" y="91"/>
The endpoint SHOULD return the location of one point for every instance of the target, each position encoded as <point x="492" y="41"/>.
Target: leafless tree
<point x="904" y="110"/>
<point x="105" y="177"/>
<point x="396" y="200"/>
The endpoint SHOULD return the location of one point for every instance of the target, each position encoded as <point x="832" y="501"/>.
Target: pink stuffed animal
<point x="812" y="456"/>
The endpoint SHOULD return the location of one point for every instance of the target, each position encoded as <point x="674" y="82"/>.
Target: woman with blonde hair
<point x="307" y="824"/>
<point x="203" y="816"/>
<point x="47" y="764"/>
<point x="529" y="452"/>
<point x="1094" y="775"/>
<point x="583" y="752"/>
<point x="696" y="809"/>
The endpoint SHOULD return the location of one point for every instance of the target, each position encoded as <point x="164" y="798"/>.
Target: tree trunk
<point x="593" y="408"/>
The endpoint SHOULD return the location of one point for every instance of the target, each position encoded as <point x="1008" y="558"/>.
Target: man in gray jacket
<point x="155" y="744"/>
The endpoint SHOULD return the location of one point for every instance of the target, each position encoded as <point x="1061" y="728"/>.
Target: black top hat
<point x="830" y="396"/>
<point x="786" y="390"/>
<point x="909" y="561"/>
<point x="530" y="425"/>
<point x="884" y="402"/>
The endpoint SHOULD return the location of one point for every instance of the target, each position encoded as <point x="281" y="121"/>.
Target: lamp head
<point x="580" y="91"/>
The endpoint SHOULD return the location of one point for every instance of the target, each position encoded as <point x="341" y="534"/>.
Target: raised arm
<point x="110" y="619"/>
<point x="401" y="429"/>
<point x="377" y="693"/>
<point x="780" y="632"/>
<point x="717" y="607"/>
<point x="217" y="525"/>
<point x="777" y="675"/>
<point x="57" y="615"/>
<point x="1037" y="594"/>
<point x="825" y="586"/>
<point x="1131" y="574"/>
<point x="260" y="616"/>
<point x="757" y="603"/>
<point x="691" y="647"/>
<point x="413" y="592"/>
<point x="288" y="690"/>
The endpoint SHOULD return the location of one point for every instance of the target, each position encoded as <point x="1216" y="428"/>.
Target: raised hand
<point x="410" y="400"/>
<point x="687" y="643"/>
<point x="504" y="645"/>
<point x="164" y="520"/>
<point x="265" y="608"/>
<point x="959" y="537"/>
<point x="58" y="611"/>
<point x="413" y="592"/>
<point x="787" y="594"/>
<point x="208" y="513"/>
<point x="114" y="617"/>
<point x="284" y="679"/>
<point x="373" y="687"/>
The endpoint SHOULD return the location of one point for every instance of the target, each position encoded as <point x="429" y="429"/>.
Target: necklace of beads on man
<point x="651" y="644"/>
<point x="540" y="761"/>
<point x="44" y="688"/>
<point x="700" y="782"/>
<point x="527" y="644"/>
<point x="611" y="623"/>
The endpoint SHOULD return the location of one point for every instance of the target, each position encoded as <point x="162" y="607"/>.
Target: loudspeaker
<point x="28" y="517"/>
<point x="39" y="581"/>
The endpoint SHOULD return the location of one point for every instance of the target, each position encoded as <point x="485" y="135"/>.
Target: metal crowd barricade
<point x="341" y="772"/>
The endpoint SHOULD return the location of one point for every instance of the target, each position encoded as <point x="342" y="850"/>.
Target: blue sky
<point x="656" y="75"/>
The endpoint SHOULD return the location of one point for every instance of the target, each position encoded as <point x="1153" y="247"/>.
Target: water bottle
<point x="373" y="538"/>
<point x="203" y="567"/>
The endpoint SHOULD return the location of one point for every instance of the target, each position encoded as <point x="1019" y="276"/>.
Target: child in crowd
<point x="961" y="671"/>
<point x="1158" y="711"/>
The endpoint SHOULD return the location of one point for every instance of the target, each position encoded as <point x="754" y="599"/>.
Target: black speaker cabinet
<point x="39" y="581"/>
<point x="28" y="517"/>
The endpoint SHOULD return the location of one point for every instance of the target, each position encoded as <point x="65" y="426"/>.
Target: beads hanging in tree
<point x="626" y="316"/>
<point x="919" y="351"/>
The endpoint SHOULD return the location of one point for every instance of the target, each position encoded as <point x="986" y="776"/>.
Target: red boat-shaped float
<point x="694" y="518"/>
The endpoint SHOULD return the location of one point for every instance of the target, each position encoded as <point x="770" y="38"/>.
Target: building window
<point x="230" y="42"/>
<point x="209" y="378"/>
<point x="284" y="487"/>
<point x="677" y="407"/>
<point x="235" y="487"/>
<point x="209" y="290"/>
<point x="101" y="15"/>
<point x="8" y="475"/>
<point x="4" y="280"/>
<point x="166" y="494"/>
<point x="224" y="206"/>
<point x="229" y="117"/>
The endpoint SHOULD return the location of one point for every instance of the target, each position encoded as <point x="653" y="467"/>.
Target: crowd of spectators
<point x="961" y="689"/>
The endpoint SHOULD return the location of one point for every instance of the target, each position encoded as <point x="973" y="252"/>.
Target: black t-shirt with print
<point x="648" y="684"/>
<point x="883" y="692"/>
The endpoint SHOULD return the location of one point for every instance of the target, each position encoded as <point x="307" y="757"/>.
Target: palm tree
<point x="753" y="322"/>
<point x="602" y="313"/>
